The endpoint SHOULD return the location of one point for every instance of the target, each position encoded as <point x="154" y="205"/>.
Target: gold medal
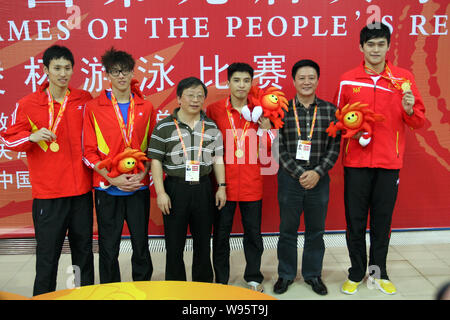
<point x="239" y="153"/>
<point x="406" y="86"/>
<point x="54" y="146"/>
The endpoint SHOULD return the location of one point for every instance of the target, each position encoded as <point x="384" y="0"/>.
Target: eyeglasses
<point x="116" y="72"/>
<point x="195" y="97"/>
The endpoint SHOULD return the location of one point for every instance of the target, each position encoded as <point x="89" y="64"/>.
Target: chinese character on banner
<point x="269" y="70"/>
<point x="32" y="3"/>
<point x="271" y="2"/>
<point x="126" y="3"/>
<point x="3" y="152"/>
<point x="21" y="154"/>
<point x="162" y="73"/>
<point x="33" y="76"/>
<point x="161" y="115"/>
<point x="95" y="76"/>
<point x="3" y="122"/>
<point x="23" y="179"/>
<point x="5" y="178"/>
<point x="1" y="78"/>
<point x="217" y="71"/>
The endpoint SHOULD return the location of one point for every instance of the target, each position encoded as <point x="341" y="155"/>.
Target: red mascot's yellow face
<point x="127" y="164"/>
<point x="353" y="119"/>
<point x="270" y="101"/>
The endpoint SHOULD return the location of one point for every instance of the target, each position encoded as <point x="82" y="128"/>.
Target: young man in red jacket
<point x="118" y="119"/>
<point x="244" y="183"/>
<point x="47" y="125"/>
<point x="371" y="171"/>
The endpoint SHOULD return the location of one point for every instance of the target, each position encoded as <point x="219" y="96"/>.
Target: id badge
<point x="193" y="171"/>
<point x="303" y="150"/>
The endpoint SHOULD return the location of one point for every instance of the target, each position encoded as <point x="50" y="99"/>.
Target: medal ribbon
<point x="396" y="82"/>
<point x="54" y="123"/>
<point x="182" y="141"/>
<point x="127" y="131"/>
<point x="233" y="129"/>
<point x="298" y="123"/>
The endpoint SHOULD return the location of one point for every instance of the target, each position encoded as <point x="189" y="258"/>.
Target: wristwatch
<point x="221" y="184"/>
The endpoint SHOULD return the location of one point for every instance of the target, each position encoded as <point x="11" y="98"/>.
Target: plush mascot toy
<point x="269" y="103"/>
<point x="353" y="119"/>
<point x="129" y="161"/>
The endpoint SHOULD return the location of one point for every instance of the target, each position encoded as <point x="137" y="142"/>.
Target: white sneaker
<point x="255" y="286"/>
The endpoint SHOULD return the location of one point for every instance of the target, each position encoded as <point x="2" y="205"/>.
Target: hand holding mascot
<point x="355" y="118"/>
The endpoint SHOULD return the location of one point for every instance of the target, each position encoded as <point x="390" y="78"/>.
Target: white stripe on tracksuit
<point x="355" y="83"/>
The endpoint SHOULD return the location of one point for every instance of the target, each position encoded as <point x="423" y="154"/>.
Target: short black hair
<point x="190" y="83"/>
<point x="113" y="57"/>
<point x="374" y="30"/>
<point x="57" y="52"/>
<point x="305" y="63"/>
<point x="239" y="67"/>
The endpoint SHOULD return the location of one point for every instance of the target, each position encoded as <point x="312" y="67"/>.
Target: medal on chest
<point x="54" y="122"/>
<point x="239" y="141"/>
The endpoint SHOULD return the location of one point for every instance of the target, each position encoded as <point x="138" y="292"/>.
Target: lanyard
<point x="126" y="131"/>
<point x="182" y="142"/>
<point x="239" y="142"/>
<point x="396" y="82"/>
<point x="298" y="123"/>
<point x="54" y="123"/>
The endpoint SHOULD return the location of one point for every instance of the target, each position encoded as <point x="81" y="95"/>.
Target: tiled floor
<point x="418" y="264"/>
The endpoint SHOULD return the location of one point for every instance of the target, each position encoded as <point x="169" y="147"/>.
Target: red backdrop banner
<point x="173" y="39"/>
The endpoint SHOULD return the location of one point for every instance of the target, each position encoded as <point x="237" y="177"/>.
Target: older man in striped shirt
<point x="187" y="146"/>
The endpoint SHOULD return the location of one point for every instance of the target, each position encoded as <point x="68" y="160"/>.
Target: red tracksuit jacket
<point x="242" y="176"/>
<point x="387" y="146"/>
<point x="52" y="174"/>
<point x="101" y="133"/>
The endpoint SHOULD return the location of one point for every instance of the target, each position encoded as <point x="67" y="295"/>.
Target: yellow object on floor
<point x="156" y="290"/>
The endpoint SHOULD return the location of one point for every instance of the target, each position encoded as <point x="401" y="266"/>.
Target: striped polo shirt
<point x="165" y="145"/>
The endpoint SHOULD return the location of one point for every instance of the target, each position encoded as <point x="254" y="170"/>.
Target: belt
<point x="203" y="179"/>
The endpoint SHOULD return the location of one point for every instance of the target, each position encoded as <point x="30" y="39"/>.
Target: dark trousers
<point x="253" y="244"/>
<point x="112" y="211"/>
<point x="367" y="190"/>
<point x="192" y="205"/>
<point x="53" y="219"/>
<point x="293" y="199"/>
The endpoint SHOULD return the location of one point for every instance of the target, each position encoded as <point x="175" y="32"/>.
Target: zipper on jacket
<point x="396" y="145"/>
<point x="374" y="105"/>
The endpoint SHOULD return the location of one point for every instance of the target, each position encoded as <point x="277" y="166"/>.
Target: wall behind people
<point x="178" y="38"/>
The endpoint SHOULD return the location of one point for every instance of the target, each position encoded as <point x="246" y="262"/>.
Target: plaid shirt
<point x="324" y="149"/>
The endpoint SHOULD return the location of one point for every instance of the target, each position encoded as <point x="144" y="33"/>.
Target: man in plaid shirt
<point x="306" y="154"/>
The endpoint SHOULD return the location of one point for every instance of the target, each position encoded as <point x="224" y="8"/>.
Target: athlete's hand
<point x="125" y="183"/>
<point x="42" y="134"/>
<point x="408" y="102"/>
